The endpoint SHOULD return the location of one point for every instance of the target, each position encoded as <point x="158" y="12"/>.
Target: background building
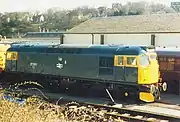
<point x="162" y="26"/>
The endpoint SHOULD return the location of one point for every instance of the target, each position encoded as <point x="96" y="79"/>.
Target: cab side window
<point x="120" y="60"/>
<point x="131" y="61"/>
<point x="8" y="56"/>
<point x="144" y="61"/>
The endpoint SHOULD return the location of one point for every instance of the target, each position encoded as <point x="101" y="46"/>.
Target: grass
<point x="30" y="112"/>
<point x="35" y="109"/>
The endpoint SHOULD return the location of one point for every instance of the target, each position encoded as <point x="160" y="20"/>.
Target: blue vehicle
<point x="123" y="70"/>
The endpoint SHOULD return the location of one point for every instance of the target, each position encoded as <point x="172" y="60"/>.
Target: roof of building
<point x="134" y="23"/>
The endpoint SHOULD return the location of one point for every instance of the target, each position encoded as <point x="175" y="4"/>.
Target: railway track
<point x="134" y="115"/>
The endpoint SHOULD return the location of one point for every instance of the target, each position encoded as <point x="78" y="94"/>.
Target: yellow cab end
<point x="146" y="97"/>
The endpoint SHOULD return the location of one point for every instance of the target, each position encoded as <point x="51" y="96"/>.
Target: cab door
<point x="119" y="62"/>
<point x="131" y="69"/>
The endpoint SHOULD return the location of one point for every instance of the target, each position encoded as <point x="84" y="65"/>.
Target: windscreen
<point x="144" y="60"/>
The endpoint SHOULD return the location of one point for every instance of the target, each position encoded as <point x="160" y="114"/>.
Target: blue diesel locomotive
<point x="123" y="70"/>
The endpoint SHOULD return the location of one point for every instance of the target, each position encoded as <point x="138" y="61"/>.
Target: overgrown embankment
<point x="36" y="110"/>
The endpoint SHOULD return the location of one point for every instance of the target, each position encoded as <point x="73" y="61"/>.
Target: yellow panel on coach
<point x="3" y="49"/>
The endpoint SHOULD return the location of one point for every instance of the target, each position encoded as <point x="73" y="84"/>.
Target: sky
<point x="24" y="5"/>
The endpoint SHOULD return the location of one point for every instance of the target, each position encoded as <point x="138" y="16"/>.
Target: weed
<point x="36" y="109"/>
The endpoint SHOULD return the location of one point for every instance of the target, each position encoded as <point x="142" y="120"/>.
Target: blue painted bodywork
<point x="78" y="49"/>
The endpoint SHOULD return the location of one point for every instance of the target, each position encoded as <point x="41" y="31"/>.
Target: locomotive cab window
<point x="8" y="56"/>
<point x="118" y="60"/>
<point x="12" y="56"/>
<point x="144" y="60"/>
<point x="131" y="61"/>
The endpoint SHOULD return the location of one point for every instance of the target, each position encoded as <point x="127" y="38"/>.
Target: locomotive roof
<point x="81" y="49"/>
<point x="168" y="51"/>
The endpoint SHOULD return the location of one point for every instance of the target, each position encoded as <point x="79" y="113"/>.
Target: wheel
<point x="156" y="93"/>
<point x="164" y="86"/>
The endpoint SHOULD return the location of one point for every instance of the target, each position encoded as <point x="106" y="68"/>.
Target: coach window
<point x="131" y="61"/>
<point x="170" y="63"/>
<point x="177" y="61"/>
<point x="144" y="60"/>
<point x="162" y="63"/>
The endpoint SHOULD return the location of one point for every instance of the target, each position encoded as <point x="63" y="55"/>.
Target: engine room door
<point x="131" y="69"/>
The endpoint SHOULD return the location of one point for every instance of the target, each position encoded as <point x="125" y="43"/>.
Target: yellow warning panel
<point x="2" y="58"/>
<point x="3" y="49"/>
<point x="146" y="97"/>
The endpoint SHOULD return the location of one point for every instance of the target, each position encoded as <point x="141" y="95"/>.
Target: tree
<point x="175" y="6"/>
<point x="13" y="23"/>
